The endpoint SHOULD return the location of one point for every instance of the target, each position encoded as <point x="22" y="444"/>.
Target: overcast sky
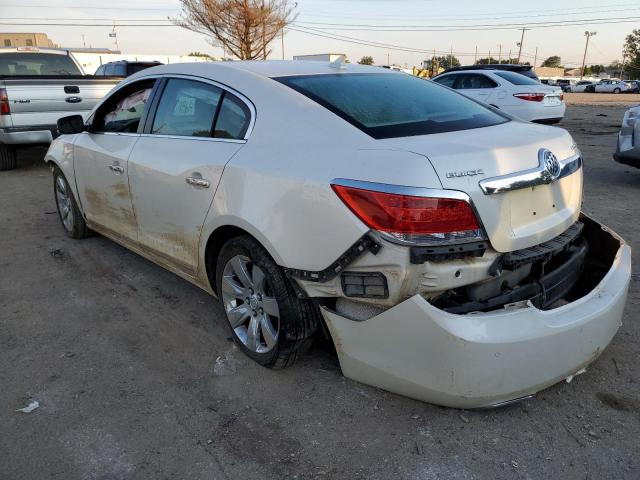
<point x="491" y="22"/>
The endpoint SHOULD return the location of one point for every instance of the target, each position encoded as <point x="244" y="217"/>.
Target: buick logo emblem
<point x="549" y="164"/>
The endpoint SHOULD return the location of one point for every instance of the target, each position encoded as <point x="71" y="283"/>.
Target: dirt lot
<point x="122" y="357"/>
<point x="601" y="99"/>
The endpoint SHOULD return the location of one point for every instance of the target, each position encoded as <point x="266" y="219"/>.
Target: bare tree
<point x="245" y="28"/>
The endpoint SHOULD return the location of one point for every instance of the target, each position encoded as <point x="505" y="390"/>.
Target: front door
<point x="101" y="162"/>
<point x="176" y="166"/>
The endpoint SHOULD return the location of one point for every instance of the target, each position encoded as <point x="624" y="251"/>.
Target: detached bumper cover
<point x="481" y="359"/>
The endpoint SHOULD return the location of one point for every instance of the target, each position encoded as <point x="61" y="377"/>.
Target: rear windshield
<point x="394" y="105"/>
<point x="49" y="64"/>
<point x="516" y="78"/>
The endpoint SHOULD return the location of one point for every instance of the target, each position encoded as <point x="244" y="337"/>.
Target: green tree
<point x="366" y="60"/>
<point x="487" y="61"/>
<point x="632" y="54"/>
<point x="554" y="61"/>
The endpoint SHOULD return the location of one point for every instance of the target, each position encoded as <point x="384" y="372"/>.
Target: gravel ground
<point x="137" y="378"/>
<point x="599" y="99"/>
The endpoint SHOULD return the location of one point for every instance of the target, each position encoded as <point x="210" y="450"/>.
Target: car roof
<point x="491" y="66"/>
<point x="271" y="68"/>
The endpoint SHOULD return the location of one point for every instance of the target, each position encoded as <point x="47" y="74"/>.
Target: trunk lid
<point x="515" y="219"/>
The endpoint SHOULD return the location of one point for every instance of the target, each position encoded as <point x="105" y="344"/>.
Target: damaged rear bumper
<point x="487" y="358"/>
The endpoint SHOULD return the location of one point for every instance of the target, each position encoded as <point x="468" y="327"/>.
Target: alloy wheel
<point x="250" y="305"/>
<point x="65" y="206"/>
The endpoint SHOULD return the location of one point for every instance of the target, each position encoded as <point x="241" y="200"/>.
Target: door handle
<point x="198" y="182"/>
<point x="117" y="169"/>
<point x="73" y="99"/>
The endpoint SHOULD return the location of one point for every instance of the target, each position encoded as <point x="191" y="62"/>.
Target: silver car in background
<point x="628" y="151"/>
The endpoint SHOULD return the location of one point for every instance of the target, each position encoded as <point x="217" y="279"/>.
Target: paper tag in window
<point x="185" y="106"/>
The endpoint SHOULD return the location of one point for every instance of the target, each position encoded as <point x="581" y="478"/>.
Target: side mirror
<point x="71" y="124"/>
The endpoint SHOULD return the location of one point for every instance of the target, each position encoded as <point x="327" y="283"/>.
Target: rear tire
<point x="7" y="157"/>
<point x="68" y="211"/>
<point x="268" y="322"/>
<point x="617" y="90"/>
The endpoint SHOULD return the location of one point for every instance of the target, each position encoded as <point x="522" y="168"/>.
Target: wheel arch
<point x="222" y="234"/>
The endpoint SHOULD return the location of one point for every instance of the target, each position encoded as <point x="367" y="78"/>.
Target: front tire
<point x="267" y="320"/>
<point x="617" y="90"/>
<point x="68" y="211"/>
<point x="7" y="157"/>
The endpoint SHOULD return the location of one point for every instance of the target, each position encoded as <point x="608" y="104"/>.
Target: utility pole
<point x="475" y="58"/>
<point x="84" y="45"/>
<point x="434" y="68"/>
<point x="521" y="43"/>
<point x="509" y="56"/>
<point x="264" y="45"/>
<point x="500" y="54"/>
<point x="584" y="58"/>
<point x="535" y="59"/>
<point x="451" y="58"/>
<point x="388" y="64"/>
<point x="282" y="38"/>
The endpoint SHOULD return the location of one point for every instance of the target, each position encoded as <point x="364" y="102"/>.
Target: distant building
<point x="26" y="40"/>
<point x="322" y="57"/>
<point x="549" y="71"/>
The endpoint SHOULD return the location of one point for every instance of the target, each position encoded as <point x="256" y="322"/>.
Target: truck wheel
<point x="7" y="157"/>
<point x="269" y="323"/>
<point x="68" y="211"/>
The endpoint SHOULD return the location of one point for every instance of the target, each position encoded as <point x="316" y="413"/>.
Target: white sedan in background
<point x="516" y="94"/>
<point x="579" y="87"/>
<point x="610" y="86"/>
<point x="440" y="241"/>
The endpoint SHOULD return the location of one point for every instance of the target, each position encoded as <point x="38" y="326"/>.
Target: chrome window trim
<point x="198" y="139"/>
<point x="530" y="178"/>
<point x="416" y="192"/>
<point x="196" y="78"/>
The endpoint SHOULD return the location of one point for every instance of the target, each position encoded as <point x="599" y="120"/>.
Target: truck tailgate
<point x="42" y="101"/>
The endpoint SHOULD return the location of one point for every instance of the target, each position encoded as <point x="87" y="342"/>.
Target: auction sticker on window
<point x="185" y="106"/>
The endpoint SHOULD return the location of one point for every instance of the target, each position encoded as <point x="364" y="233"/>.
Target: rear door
<point x="101" y="161"/>
<point x="477" y="86"/>
<point x="175" y="167"/>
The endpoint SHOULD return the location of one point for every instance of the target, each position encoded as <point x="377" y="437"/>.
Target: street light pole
<point x="584" y="58"/>
<point x="521" y="43"/>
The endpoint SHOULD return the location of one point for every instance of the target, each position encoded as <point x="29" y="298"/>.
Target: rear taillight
<point x="4" y="102"/>
<point x="407" y="218"/>
<point x="530" y="97"/>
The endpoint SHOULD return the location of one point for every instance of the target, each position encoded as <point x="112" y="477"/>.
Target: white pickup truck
<point x="37" y="87"/>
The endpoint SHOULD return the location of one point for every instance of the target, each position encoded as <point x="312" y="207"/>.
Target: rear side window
<point x="516" y="78"/>
<point x="50" y="64"/>
<point x="187" y="108"/>
<point x="446" y="80"/>
<point x="474" y="81"/>
<point x="100" y="70"/>
<point x="387" y="105"/>
<point x="233" y="118"/>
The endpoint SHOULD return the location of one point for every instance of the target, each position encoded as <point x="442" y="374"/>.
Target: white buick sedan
<point x="439" y="243"/>
<point x="512" y="92"/>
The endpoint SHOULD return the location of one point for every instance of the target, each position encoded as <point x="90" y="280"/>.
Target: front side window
<point x="187" y="108"/>
<point x="123" y="111"/>
<point x="516" y="78"/>
<point x="387" y="105"/>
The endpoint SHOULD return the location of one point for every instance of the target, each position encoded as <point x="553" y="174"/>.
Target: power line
<point x="487" y="26"/>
